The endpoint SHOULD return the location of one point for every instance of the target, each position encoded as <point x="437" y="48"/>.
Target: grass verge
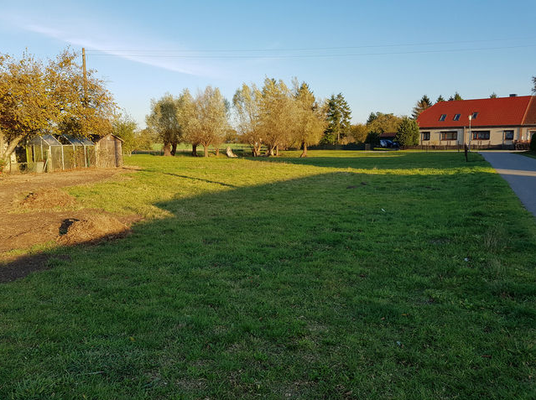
<point x="343" y="275"/>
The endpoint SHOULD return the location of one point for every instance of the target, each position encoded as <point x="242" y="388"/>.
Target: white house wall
<point x="497" y="136"/>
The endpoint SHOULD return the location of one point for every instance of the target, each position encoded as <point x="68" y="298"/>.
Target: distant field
<point x="185" y="147"/>
<point x="345" y="275"/>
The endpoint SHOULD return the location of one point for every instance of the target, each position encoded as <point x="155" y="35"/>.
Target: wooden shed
<point x="109" y="151"/>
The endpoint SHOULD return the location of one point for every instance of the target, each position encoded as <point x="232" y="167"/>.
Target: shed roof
<point x="501" y="111"/>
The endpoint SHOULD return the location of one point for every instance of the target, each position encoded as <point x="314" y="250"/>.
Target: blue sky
<point x="381" y="55"/>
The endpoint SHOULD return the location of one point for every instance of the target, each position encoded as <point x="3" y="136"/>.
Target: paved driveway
<point x="520" y="173"/>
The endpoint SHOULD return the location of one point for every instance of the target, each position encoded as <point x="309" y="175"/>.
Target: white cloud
<point x="111" y="43"/>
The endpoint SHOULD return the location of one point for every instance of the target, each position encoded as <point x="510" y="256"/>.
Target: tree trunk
<point x="174" y="148"/>
<point x="256" y="150"/>
<point x="217" y="151"/>
<point x="205" y="150"/>
<point x="194" y="150"/>
<point x="276" y="151"/>
<point x="10" y="148"/>
<point x="167" y="149"/>
<point x="304" y="153"/>
<point x="270" y="151"/>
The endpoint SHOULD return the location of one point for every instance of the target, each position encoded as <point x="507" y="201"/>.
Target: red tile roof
<point x="501" y="111"/>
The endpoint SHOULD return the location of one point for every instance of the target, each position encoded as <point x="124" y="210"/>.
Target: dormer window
<point x="475" y="114"/>
<point x="456" y="117"/>
<point x="443" y="117"/>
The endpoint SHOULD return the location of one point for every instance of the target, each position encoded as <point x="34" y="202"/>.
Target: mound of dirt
<point x="47" y="199"/>
<point x="91" y="229"/>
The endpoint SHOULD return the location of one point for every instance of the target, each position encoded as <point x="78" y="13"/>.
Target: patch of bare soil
<point x="47" y="199"/>
<point x="34" y="210"/>
<point x="91" y="228"/>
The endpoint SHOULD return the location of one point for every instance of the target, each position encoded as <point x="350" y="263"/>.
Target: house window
<point x="425" y="136"/>
<point x="480" y="135"/>
<point x="456" y="117"/>
<point x="508" y="135"/>
<point x="451" y="135"/>
<point x="475" y="114"/>
<point x="443" y="117"/>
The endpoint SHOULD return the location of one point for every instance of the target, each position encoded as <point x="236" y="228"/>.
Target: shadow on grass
<point x="193" y="178"/>
<point x="314" y="189"/>
<point x="318" y="287"/>
<point x="390" y="160"/>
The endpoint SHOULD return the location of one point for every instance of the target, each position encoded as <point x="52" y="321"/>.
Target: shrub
<point x="408" y="132"/>
<point x="533" y="142"/>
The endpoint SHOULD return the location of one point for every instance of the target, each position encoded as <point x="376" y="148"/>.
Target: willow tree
<point x="247" y="103"/>
<point x="277" y="115"/>
<point x="38" y="98"/>
<point x="309" y="121"/>
<point x="165" y="119"/>
<point x="208" y="124"/>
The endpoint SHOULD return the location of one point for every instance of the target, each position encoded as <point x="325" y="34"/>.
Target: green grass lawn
<point x="345" y="275"/>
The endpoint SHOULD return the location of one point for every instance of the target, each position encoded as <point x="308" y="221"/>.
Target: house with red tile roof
<point x="501" y="122"/>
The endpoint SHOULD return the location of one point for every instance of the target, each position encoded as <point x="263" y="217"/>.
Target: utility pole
<point x="85" y="72"/>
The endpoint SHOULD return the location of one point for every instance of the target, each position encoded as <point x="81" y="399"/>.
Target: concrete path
<point x="520" y="173"/>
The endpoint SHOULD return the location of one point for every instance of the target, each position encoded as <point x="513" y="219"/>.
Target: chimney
<point x="513" y="95"/>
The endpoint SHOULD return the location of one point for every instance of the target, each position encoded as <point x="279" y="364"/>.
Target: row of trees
<point x="425" y="103"/>
<point x="200" y="120"/>
<point x="273" y="116"/>
<point x="277" y="116"/>
<point x="52" y="97"/>
<point x="405" y="128"/>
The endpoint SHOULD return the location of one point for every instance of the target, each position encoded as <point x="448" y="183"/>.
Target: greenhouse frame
<point x="48" y="153"/>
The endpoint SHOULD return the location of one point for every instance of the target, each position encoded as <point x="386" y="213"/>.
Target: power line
<point x="282" y="56"/>
<point x="182" y="52"/>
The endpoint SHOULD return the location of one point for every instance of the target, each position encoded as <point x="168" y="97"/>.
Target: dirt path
<point x="34" y="209"/>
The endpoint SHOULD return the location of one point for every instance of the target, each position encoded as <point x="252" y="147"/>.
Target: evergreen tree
<point x="534" y="82"/>
<point x="338" y="119"/>
<point x="421" y="105"/>
<point x="440" y="99"/>
<point x="408" y="132"/>
<point x="493" y="95"/>
<point x="456" y="97"/>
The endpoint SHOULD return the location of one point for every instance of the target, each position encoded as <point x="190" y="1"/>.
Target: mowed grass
<point x="345" y="275"/>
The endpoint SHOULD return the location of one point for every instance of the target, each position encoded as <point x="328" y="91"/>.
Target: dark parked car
<point x="389" y="144"/>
